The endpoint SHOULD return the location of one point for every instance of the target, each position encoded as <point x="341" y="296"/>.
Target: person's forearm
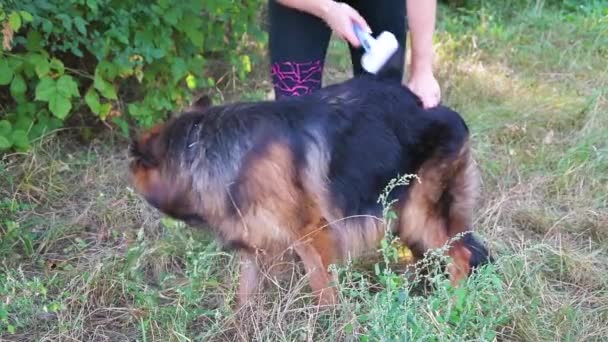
<point x="421" y="16"/>
<point x="318" y="8"/>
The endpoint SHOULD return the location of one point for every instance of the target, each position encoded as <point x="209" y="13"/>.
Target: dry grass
<point x="83" y="259"/>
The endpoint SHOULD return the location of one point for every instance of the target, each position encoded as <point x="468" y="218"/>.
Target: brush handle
<point x="364" y="37"/>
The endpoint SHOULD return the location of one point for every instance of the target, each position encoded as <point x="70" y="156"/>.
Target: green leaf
<point x="48" y="88"/>
<point x="67" y="86"/>
<point x="81" y="25"/>
<point x="57" y="65"/>
<point x="106" y="89"/>
<point x="178" y="68"/>
<point x="191" y="26"/>
<point x="26" y="16"/>
<point x="41" y="65"/>
<point x="20" y="139"/>
<point x="5" y="128"/>
<point x="37" y="131"/>
<point x="246" y="63"/>
<point x="45" y="89"/>
<point x="92" y="100"/>
<point x="5" y="144"/>
<point x="104" y="110"/>
<point x="107" y="70"/>
<point x="57" y="94"/>
<point x="14" y="21"/>
<point x="92" y="4"/>
<point x="76" y="51"/>
<point x="34" y="41"/>
<point x="173" y="15"/>
<point x="23" y="122"/>
<point x="60" y="106"/>
<point x="6" y="73"/>
<point x="15" y="63"/>
<point x="55" y="123"/>
<point x="191" y="81"/>
<point x="66" y="20"/>
<point x="163" y="3"/>
<point x="122" y="124"/>
<point x="47" y="26"/>
<point x="18" y="86"/>
<point x="26" y="110"/>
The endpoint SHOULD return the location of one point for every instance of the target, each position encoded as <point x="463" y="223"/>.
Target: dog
<point x="305" y="174"/>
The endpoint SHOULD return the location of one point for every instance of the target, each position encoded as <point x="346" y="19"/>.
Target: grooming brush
<point x="378" y="51"/>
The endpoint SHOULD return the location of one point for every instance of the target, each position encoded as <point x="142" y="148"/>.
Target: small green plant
<point x="400" y="309"/>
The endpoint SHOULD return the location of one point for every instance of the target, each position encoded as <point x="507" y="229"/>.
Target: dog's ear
<point x="202" y="103"/>
<point x="148" y="150"/>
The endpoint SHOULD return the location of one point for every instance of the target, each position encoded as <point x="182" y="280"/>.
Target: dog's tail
<point x="463" y="193"/>
<point x="479" y="253"/>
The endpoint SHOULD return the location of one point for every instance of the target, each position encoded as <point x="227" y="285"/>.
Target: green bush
<point x="113" y="59"/>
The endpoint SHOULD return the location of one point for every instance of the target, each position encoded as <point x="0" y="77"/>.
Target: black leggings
<point x="298" y="42"/>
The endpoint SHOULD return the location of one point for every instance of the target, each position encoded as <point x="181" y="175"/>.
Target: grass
<point x="84" y="259"/>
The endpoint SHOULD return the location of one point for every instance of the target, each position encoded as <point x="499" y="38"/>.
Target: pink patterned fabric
<point x="296" y="79"/>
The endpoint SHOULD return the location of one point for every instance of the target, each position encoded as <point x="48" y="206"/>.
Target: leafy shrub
<point x="113" y="59"/>
<point x="422" y="306"/>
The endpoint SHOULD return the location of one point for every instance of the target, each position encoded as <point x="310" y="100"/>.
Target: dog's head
<point x="148" y="166"/>
<point x="155" y="173"/>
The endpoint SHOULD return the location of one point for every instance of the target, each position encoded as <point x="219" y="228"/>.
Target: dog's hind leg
<point x="428" y="210"/>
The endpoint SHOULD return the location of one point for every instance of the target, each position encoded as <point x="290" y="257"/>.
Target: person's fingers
<point x="347" y="17"/>
<point x="428" y="98"/>
<point x="430" y="101"/>
<point x="427" y="89"/>
<point x="351" y="37"/>
<point x="356" y="17"/>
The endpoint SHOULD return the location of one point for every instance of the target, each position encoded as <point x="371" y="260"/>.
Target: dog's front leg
<point x="249" y="278"/>
<point x="320" y="277"/>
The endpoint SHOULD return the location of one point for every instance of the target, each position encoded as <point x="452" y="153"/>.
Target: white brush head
<point x="381" y="50"/>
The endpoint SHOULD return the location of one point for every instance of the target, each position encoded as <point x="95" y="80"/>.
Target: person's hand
<point x="424" y="84"/>
<point x="340" y="18"/>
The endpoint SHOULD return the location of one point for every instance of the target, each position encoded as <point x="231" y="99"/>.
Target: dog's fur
<point x="306" y="173"/>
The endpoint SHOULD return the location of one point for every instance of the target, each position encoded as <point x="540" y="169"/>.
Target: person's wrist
<point x="324" y="9"/>
<point x="422" y="64"/>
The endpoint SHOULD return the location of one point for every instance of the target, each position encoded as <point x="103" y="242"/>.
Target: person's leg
<point x="386" y="15"/>
<point x="298" y="43"/>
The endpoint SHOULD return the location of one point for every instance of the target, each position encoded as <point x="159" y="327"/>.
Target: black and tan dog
<point x="306" y="173"/>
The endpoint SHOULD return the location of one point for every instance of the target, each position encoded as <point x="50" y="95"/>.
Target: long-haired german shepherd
<point x="305" y="173"/>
